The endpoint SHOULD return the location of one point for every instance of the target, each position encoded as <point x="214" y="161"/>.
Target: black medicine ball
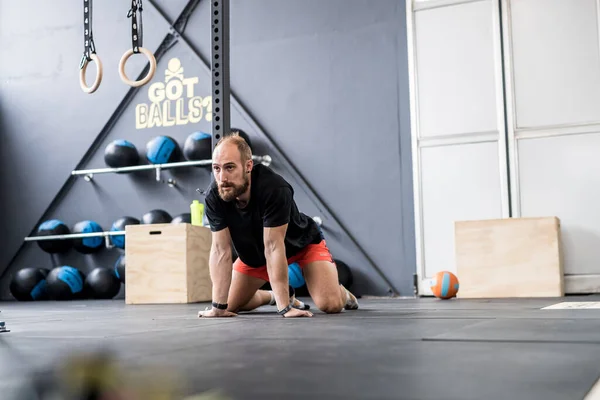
<point x="185" y="218"/>
<point x="101" y="283"/>
<point x="162" y="150"/>
<point x="198" y="146"/>
<point x="29" y="284"/>
<point x="119" y="225"/>
<point x="156" y="217"/>
<point x="88" y="245"/>
<point x="121" y="153"/>
<point x="50" y="228"/>
<point x="119" y="268"/>
<point x="65" y="283"/>
<point x="344" y="274"/>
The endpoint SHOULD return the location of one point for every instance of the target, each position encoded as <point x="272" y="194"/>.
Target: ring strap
<point x="89" y="47"/>
<point x="136" y="28"/>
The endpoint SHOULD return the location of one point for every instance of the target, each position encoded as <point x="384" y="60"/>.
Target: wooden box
<point x="513" y="257"/>
<point x="167" y="263"/>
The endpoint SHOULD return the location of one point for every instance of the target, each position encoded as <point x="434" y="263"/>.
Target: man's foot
<point x="299" y="305"/>
<point x="351" y="302"/>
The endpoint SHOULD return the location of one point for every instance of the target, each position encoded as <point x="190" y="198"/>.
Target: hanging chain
<point x="88" y="37"/>
<point x="136" y="28"/>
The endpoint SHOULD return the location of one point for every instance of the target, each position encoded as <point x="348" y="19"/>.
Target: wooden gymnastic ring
<point x="97" y="81"/>
<point x="147" y="78"/>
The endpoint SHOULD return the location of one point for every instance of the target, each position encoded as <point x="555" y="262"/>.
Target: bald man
<point x="253" y="207"/>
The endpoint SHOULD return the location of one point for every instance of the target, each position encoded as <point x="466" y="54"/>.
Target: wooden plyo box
<point x="167" y="263"/>
<point x="513" y="257"/>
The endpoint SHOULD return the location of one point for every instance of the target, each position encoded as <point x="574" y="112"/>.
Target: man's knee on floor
<point x="329" y="304"/>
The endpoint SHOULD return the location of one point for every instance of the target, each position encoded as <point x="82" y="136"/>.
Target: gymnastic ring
<point x="151" y="72"/>
<point x="83" y="69"/>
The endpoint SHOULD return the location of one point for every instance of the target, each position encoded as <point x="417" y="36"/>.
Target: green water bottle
<point x="197" y="210"/>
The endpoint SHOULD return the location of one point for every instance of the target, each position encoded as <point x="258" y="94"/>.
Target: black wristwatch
<point x="219" y="306"/>
<point x="285" y="310"/>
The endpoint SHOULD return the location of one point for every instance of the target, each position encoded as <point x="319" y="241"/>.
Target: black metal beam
<point x="219" y="60"/>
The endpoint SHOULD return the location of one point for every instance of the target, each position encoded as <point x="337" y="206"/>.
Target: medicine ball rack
<point x="88" y="174"/>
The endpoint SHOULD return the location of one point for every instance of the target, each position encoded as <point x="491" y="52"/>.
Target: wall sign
<point x="174" y="101"/>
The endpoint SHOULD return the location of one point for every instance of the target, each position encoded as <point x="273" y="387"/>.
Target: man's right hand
<point x="295" y="313"/>
<point x="215" y="313"/>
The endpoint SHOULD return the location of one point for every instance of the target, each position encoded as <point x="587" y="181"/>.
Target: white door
<point x="458" y="125"/>
<point x="552" y="64"/>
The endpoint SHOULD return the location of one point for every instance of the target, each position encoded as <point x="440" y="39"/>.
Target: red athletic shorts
<point x="311" y="253"/>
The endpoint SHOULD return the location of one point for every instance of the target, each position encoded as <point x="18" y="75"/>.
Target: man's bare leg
<point x="323" y="285"/>
<point x="244" y="293"/>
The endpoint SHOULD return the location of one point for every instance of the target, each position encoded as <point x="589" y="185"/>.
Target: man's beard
<point x="236" y="191"/>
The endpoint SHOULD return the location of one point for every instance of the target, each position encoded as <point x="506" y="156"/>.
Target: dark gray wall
<point x="324" y="82"/>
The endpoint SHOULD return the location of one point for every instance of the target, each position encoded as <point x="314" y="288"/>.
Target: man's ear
<point x="249" y="166"/>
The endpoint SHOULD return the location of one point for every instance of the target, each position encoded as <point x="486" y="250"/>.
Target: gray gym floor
<point x="389" y="349"/>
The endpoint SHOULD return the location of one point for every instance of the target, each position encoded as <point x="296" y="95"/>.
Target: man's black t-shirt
<point x="271" y="204"/>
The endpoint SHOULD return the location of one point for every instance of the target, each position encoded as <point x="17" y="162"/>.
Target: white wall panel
<point x="555" y="61"/>
<point x="561" y="176"/>
<point x="459" y="182"/>
<point x="552" y="53"/>
<point x="456" y="67"/>
<point x="457" y="117"/>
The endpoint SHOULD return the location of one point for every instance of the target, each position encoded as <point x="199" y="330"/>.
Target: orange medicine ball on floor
<point x="444" y="285"/>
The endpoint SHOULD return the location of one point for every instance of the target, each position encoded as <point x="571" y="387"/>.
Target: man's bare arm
<point x="221" y="265"/>
<point x="274" y="240"/>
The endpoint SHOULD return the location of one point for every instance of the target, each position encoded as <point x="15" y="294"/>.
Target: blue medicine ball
<point x="295" y="276"/>
<point x="119" y="225"/>
<point x="119" y="268"/>
<point x="64" y="283"/>
<point x="29" y="284"/>
<point x="50" y="228"/>
<point x="88" y="245"/>
<point x="162" y="149"/>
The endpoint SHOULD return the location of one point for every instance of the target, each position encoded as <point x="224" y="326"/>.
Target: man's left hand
<point x="295" y="313"/>
<point x="215" y="313"/>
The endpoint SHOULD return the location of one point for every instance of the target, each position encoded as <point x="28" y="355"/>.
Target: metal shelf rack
<point x="88" y="174"/>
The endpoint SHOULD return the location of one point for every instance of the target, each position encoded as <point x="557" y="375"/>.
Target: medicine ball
<point x="185" y="218"/>
<point x="29" y="284"/>
<point x="88" y="245"/>
<point x="51" y="228"/>
<point x="156" y="217"/>
<point x="344" y="274"/>
<point x="198" y="146"/>
<point x="444" y="285"/>
<point x="244" y="135"/>
<point x="119" y="268"/>
<point x="296" y="278"/>
<point x="65" y="283"/>
<point x="121" y="153"/>
<point x="101" y="283"/>
<point x="162" y="149"/>
<point x="119" y="225"/>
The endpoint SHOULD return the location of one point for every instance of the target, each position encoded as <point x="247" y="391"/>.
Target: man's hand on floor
<point x="295" y="313"/>
<point x="215" y="313"/>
